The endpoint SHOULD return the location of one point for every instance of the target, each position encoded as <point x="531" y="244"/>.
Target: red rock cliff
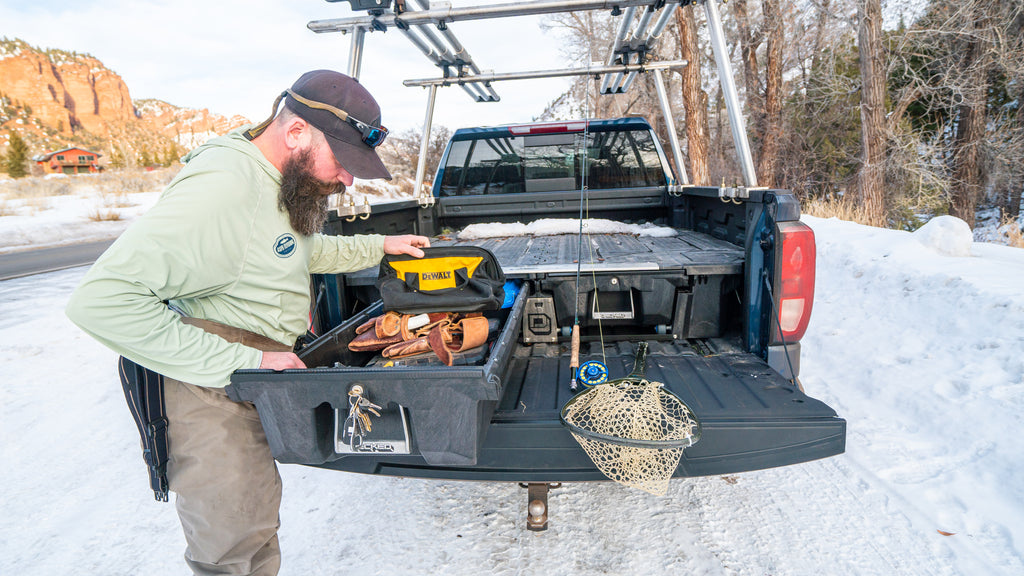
<point x="56" y="98"/>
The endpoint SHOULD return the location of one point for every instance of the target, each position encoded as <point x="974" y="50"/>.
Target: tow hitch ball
<point x="537" y="505"/>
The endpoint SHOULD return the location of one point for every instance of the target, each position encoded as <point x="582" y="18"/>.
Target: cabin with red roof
<point x="68" y="161"/>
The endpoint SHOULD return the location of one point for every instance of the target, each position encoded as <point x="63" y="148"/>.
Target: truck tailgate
<point x="752" y="418"/>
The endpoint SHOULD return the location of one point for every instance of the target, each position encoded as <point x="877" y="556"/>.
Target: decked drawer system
<point x="496" y="418"/>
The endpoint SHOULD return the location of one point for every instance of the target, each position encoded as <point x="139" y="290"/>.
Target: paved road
<point x="28" y="262"/>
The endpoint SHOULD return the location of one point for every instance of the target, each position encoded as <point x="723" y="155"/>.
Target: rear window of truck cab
<point x="513" y="160"/>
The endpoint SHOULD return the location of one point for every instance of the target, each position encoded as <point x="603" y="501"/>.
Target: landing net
<point x="633" y="429"/>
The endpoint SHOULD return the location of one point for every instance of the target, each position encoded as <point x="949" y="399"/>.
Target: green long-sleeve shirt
<point x="216" y="245"/>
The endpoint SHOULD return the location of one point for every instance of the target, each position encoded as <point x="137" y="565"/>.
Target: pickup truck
<point x="722" y="303"/>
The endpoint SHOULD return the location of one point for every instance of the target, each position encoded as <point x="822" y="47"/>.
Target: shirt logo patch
<point x="284" y="246"/>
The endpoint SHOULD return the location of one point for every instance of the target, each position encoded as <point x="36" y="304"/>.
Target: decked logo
<point x="284" y="246"/>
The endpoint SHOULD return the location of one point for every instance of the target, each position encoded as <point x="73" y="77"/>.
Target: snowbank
<point x="921" y="352"/>
<point x="947" y="235"/>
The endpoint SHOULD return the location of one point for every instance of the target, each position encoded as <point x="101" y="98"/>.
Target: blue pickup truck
<point x="722" y="303"/>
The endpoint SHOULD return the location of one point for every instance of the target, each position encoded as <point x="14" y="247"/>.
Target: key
<point x="365" y="421"/>
<point x="360" y="425"/>
<point x="365" y="404"/>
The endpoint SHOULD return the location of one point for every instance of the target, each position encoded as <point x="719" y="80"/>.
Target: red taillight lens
<point x="795" y="286"/>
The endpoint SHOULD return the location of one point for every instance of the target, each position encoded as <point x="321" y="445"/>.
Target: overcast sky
<point x="235" y="56"/>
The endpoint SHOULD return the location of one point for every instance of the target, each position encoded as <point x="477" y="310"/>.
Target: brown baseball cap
<point x="341" y="108"/>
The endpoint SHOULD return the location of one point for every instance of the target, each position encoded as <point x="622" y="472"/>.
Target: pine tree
<point x="116" y="158"/>
<point x="17" y="155"/>
<point x="171" y="154"/>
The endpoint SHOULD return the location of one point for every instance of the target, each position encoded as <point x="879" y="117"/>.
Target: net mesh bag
<point x="634" y="431"/>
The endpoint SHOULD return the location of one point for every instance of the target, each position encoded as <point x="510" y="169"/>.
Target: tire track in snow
<point x="813" y="518"/>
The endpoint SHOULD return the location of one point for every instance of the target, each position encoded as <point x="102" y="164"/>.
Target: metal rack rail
<point x="635" y="40"/>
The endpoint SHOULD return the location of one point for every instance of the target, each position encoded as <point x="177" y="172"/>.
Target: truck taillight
<point x="795" y="288"/>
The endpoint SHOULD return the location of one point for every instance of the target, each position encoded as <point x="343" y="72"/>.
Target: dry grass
<point x="108" y="207"/>
<point x="406" y="186"/>
<point x="103" y="214"/>
<point x="37" y="187"/>
<point x="37" y="204"/>
<point x="831" y="207"/>
<point x="111" y="200"/>
<point x="113" y="187"/>
<point x="114" y="182"/>
<point x="1012" y="230"/>
<point x="134" y="181"/>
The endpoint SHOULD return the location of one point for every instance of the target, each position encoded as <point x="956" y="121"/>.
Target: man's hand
<point x="406" y="244"/>
<point x="280" y="361"/>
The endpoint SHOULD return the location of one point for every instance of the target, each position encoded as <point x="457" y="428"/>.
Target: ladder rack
<point x="636" y="38"/>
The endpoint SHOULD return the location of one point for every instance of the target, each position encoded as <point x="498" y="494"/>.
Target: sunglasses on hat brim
<point x="372" y="136"/>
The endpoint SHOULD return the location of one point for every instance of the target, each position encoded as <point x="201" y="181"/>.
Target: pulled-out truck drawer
<point x="445" y="410"/>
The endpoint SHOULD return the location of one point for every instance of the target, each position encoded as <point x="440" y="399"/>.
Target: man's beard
<point x="303" y="195"/>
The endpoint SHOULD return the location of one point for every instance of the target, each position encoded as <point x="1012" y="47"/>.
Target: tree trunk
<point x="966" y="187"/>
<point x="749" y="41"/>
<point x="970" y="129"/>
<point x="767" y="164"/>
<point x="1017" y="173"/>
<point x="695" y="100"/>
<point x="819" y="34"/>
<point x="1012" y="210"/>
<point x="718" y="144"/>
<point x="871" y="179"/>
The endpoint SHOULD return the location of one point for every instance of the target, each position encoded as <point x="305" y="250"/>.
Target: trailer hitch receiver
<point x="537" y="505"/>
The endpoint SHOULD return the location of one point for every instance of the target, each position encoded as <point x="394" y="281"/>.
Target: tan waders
<point x="228" y="490"/>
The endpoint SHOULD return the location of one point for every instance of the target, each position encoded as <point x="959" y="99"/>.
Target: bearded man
<point x="215" y="278"/>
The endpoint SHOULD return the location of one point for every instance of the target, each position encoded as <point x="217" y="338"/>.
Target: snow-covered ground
<point x="60" y="220"/>
<point x="43" y="222"/>
<point x="922" y="352"/>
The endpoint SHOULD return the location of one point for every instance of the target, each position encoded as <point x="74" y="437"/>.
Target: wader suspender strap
<point x="144" y="391"/>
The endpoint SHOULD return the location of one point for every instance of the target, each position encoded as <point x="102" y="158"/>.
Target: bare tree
<point x="767" y="164"/>
<point x="970" y="126"/>
<point x="764" y="100"/>
<point x="400" y="152"/>
<point x="958" y="72"/>
<point x="750" y="40"/>
<point x="871" y="180"/>
<point x="695" y="99"/>
<point x="1005" y="141"/>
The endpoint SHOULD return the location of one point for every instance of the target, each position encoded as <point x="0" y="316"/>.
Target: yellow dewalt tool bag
<point x="446" y="279"/>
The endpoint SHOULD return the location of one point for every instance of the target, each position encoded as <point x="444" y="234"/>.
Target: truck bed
<point x="498" y="420"/>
